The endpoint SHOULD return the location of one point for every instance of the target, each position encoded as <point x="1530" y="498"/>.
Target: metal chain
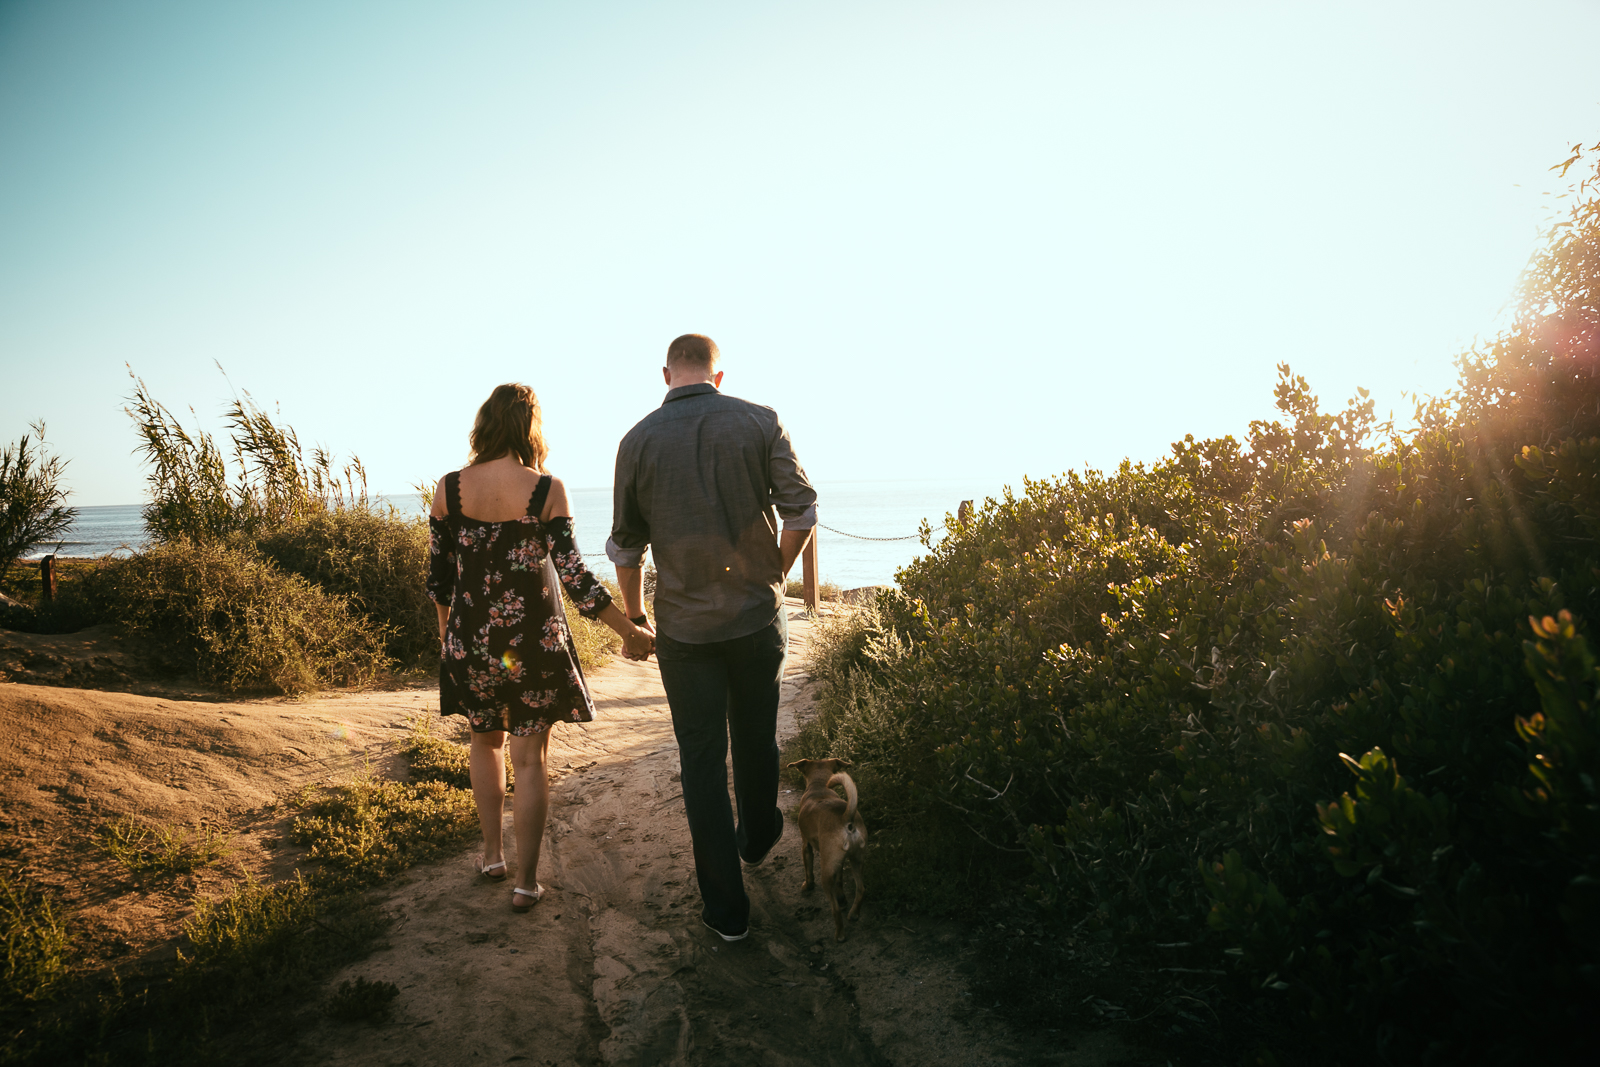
<point x="841" y="533"/>
<point x="859" y="537"/>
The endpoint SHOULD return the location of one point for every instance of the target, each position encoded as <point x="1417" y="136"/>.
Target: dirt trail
<point x="612" y="967"/>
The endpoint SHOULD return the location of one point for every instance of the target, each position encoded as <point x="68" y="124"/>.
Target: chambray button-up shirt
<point x="697" y="480"/>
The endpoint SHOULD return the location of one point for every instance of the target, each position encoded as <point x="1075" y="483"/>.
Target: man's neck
<point x="677" y="380"/>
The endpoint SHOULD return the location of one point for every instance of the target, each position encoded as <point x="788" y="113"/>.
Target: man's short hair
<point x="694" y="349"/>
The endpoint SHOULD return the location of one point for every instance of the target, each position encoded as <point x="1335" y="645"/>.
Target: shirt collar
<point x="697" y="389"/>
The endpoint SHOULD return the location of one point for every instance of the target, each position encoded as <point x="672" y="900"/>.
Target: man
<point x="697" y="480"/>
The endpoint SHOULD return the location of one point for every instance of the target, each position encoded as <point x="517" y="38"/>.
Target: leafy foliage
<point x="32" y="499"/>
<point x="377" y="560"/>
<point x="1177" y="701"/>
<point x="235" y="620"/>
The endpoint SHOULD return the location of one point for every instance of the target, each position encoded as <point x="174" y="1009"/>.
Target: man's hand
<point x="639" y="644"/>
<point x="791" y="544"/>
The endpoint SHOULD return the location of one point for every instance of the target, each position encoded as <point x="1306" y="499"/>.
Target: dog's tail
<point x="841" y="778"/>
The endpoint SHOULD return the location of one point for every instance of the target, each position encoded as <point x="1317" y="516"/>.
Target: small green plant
<point x="32" y="499"/>
<point x="362" y="1001"/>
<point x="38" y="944"/>
<point x="435" y="758"/>
<point x="371" y="828"/>
<point x="164" y="848"/>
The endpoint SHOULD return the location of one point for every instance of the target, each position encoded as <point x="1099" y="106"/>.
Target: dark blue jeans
<point x="722" y="691"/>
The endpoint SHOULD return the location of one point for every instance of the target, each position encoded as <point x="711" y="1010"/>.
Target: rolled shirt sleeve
<point x="630" y="532"/>
<point x="792" y="492"/>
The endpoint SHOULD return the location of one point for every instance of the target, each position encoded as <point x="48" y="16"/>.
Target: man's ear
<point x="716" y="379"/>
<point x="666" y="375"/>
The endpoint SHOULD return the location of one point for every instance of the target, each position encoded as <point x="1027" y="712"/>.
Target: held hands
<point x="639" y="644"/>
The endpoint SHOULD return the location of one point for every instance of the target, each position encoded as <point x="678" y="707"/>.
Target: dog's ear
<point x="800" y="764"/>
<point x="839" y="764"/>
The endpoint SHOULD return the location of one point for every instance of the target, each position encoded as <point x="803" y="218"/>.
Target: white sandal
<point x="487" y="872"/>
<point x="533" y="896"/>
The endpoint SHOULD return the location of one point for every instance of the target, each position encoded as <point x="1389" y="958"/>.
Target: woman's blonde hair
<point x="509" y="422"/>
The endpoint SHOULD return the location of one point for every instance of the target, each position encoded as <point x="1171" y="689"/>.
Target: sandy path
<point x="613" y="966"/>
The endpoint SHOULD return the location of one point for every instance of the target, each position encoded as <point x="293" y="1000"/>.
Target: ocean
<point x="869" y="527"/>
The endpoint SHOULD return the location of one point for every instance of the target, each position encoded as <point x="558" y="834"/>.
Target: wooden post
<point x="964" y="511"/>
<point x="808" y="571"/>
<point x="47" y="577"/>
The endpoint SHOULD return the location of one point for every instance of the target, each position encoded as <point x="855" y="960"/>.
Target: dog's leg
<point x="833" y="885"/>
<point x="861" y="885"/>
<point x="805" y="854"/>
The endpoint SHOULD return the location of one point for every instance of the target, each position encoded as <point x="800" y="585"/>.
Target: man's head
<point x="692" y="359"/>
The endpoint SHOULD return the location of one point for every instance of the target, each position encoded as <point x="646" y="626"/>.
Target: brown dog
<point x="832" y="832"/>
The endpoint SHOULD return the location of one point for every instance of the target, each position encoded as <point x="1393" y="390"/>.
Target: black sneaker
<point x="740" y="936"/>
<point x="759" y="860"/>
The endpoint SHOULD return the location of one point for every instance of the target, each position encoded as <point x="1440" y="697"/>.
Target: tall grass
<point x="197" y="494"/>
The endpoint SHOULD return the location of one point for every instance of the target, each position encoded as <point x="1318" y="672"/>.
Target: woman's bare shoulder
<point x="556" y="505"/>
<point x="441" y="506"/>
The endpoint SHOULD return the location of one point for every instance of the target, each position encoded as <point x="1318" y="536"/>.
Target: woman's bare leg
<point x="530" y="803"/>
<point x="488" y="763"/>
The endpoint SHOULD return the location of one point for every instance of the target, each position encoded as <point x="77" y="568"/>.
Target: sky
<point x="976" y="240"/>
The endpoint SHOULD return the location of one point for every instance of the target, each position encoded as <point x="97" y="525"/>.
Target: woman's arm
<point x="441" y="557"/>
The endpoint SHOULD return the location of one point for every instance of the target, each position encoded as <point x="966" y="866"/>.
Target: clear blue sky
<point x="971" y="239"/>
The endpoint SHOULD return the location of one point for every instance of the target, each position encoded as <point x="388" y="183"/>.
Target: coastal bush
<point x="375" y="558"/>
<point x="197" y="495"/>
<point x="230" y="616"/>
<point x="1315" y="711"/>
<point x="32" y="499"/>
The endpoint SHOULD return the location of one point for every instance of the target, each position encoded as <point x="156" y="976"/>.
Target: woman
<point x="501" y="544"/>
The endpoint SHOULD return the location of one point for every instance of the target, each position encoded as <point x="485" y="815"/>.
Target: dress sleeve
<point x="441" y="561"/>
<point x="585" y="590"/>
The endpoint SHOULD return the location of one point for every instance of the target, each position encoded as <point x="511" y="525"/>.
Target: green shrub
<point x="234" y="619"/>
<point x="1157" y="684"/>
<point x="370" y="829"/>
<point x="198" y="495"/>
<point x="32" y="499"/>
<point x="375" y="558"/>
<point x="433" y="757"/>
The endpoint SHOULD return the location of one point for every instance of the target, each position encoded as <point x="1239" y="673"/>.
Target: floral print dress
<point x="508" y="661"/>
